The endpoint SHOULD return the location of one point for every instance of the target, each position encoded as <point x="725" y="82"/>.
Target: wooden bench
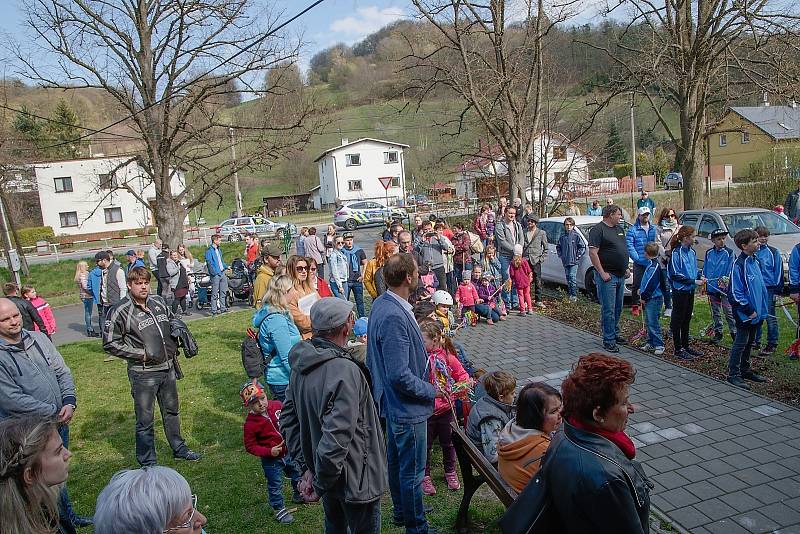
<point x="468" y="457"/>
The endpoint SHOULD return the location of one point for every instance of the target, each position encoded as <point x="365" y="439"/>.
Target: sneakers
<point x="489" y="321"/>
<point x="427" y="486"/>
<point x="753" y="377"/>
<point x="81" y="521"/>
<point x="756" y="347"/>
<point x="635" y="310"/>
<point x="647" y="347"/>
<point x="284" y="516"/>
<point x="683" y="355"/>
<point x="522" y="313"/>
<point x="717" y="338"/>
<point x="769" y="350"/>
<point x="668" y="312"/>
<point x="452" y="481"/>
<point x="738" y="382"/>
<point x="658" y="351"/>
<point x="189" y="456"/>
<point x="530" y="312"/>
<point x="692" y="352"/>
<point x="573" y="299"/>
<point x="621" y="340"/>
<point x="613" y="348"/>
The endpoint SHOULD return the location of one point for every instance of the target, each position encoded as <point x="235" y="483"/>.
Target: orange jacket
<point x="519" y="454"/>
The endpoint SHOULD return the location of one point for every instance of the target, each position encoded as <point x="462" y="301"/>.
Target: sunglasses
<point x="313" y="269"/>
<point x="671" y="215"/>
<point x="301" y="268"/>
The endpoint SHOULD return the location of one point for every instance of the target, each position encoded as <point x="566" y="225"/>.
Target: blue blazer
<point x="397" y="361"/>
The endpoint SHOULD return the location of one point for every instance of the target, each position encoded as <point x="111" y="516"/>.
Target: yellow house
<point x="747" y="135"/>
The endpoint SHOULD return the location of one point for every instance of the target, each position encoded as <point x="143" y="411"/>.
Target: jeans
<point x="406" y="447"/>
<point x="683" y="305"/>
<point x="571" y="272"/>
<point x="358" y="289"/>
<point x="638" y="272"/>
<point x="509" y="297"/>
<point x="441" y="278"/>
<point x="65" y="504"/>
<point x="278" y="391"/>
<point x="485" y="311"/>
<point x="335" y="288"/>
<point x="87" y="314"/>
<point x="666" y="289"/>
<point x="219" y="288"/>
<point x="739" y="361"/>
<point x="652" y="312"/>
<point x="610" y="294"/>
<point x="101" y="316"/>
<point x="720" y="306"/>
<point x="274" y="469"/>
<point x="772" y="322"/>
<point x="349" y="518"/>
<point x="146" y="388"/>
<point x="439" y="427"/>
<point x="536" y="286"/>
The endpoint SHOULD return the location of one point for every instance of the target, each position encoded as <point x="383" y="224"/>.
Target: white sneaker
<point x="573" y="299"/>
<point x="647" y="347"/>
<point x="668" y="312"/>
<point x="658" y="351"/>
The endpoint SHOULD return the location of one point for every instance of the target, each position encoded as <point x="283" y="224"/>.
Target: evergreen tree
<point x="615" y="149"/>
<point x="29" y="128"/>
<point x="64" y="130"/>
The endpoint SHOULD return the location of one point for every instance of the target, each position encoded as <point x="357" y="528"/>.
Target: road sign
<point x="386" y="181"/>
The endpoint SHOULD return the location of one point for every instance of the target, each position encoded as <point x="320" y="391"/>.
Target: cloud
<point x="367" y="20"/>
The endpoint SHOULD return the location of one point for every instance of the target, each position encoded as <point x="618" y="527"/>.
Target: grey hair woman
<point x="150" y="500"/>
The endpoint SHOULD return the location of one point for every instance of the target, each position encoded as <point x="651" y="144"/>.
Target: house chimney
<point x="345" y="141"/>
<point x="765" y="103"/>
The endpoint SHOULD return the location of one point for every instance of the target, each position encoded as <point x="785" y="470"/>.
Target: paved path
<point x="723" y="460"/>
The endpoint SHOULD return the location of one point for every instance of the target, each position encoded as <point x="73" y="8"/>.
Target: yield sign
<point x="386" y="181"/>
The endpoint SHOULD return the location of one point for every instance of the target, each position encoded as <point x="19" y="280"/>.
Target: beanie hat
<point x="360" y="327"/>
<point x="250" y="393"/>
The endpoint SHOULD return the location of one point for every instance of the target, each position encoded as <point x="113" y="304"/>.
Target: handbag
<point x="532" y="512"/>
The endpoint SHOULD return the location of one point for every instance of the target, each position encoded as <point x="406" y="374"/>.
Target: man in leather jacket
<point x="137" y="329"/>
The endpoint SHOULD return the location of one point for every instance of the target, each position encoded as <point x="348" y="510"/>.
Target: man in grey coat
<point x="534" y="251"/>
<point x="507" y="234"/>
<point x="331" y="425"/>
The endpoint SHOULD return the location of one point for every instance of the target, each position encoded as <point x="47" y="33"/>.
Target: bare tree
<point x="172" y="66"/>
<point x="494" y="66"/>
<point x="696" y="57"/>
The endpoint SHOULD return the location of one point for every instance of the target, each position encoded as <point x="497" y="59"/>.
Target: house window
<point x="353" y="159"/>
<point x="390" y="157"/>
<point x="68" y="218"/>
<point x="561" y="177"/>
<point x="560" y="153"/>
<point x="113" y="215"/>
<point x="395" y="182"/>
<point x="723" y="139"/>
<point x="63" y="185"/>
<point x="108" y="180"/>
<point x="745" y="137"/>
<point x="354" y="185"/>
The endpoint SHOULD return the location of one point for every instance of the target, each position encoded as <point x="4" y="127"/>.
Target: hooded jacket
<point x="717" y="264"/>
<point x="636" y="238"/>
<point x="519" y="453"/>
<point x="331" y="425"/>
<point x="747" y="292"/>
<point x="141" y="336"/>
<point x="277" y="334"/>
<point x="682" y="269"/>
<point x="262" y="432"/>
<point x="34" y="380"/>
<point x="570" y="248"/>
<point x="28" y="314"/>
<point x="264" y="274"/>
<point x="485" y="409"/>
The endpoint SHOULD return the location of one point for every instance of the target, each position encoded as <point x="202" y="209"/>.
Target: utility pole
<point x="11" y="254"/>
<point x="633" y="144"/>
<point x="236" y="192"/>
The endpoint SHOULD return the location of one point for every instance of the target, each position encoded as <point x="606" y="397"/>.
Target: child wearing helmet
<point x="444" y="304"/>
<point x="262" y="438"/>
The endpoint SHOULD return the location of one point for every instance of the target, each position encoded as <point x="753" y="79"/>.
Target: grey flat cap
<point x="330" y="312"/>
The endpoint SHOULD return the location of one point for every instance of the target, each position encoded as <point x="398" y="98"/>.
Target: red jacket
<point x="461" y="243"/>
<point x="323" y="288"/>
<point x="467" y="294"/>
<point x="261" y="432"/>
<point x="454" y="373"/>
<point x="521" y="275"/>
<point x="252" y="254"/>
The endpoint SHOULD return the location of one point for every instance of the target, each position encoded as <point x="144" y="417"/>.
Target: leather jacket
<point x="595" y="487"/>
<point x="141" y="335"/>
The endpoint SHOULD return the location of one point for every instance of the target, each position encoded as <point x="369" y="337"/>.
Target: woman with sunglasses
<point x="297" y="267"/>
<point x="339" y="268"/>
<point x="150" y="500"/>
<point x="317" y="281"/>
<point x="666" y="226"/>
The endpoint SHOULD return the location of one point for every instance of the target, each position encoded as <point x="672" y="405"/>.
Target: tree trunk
<point x="169" y="216"/>
<point x="693" y="187"/>
<point x="13" y="227"/>
<point x="517" y="179"/>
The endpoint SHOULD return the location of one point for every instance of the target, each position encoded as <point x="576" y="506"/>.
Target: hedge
<point x="29" y="236"/>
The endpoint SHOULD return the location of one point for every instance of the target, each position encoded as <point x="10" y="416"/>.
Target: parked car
<point x="235" y="229"/>
<point x="552" y="194"/>
<point x="365" y="213"/>
<point x="784" y="234"/>
<point x="553" y="269"/>
<point x="418" y="200"/>
<point x="673" y="180"/>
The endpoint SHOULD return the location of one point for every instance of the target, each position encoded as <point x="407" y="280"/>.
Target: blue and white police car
<point x="365" y="213"/>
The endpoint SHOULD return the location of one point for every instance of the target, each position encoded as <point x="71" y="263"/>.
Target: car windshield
<point x="585" y="228"/>
<point x="776" y="224"/>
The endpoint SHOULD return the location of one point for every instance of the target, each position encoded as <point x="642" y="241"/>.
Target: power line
<point x="196" y="79"/>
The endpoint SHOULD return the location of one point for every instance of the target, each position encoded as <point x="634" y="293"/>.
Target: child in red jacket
<point x="44" y="309"/>
<point x="519" y="271"/>
<point x="262" y="438"/>
<point x="467" y="294"/>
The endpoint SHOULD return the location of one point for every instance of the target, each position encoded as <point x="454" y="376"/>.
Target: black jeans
<point x="536" y="287"/>
<point x="178" y="301"/>
<point x="101" y="316"/>
<point x="739" y="360"/>
<point x="441" y="278"/>
<point x="638" y="273"/>
<point x="146" y="388"/>
<point x="343" y="518"/>
<point x="682" y="306"/>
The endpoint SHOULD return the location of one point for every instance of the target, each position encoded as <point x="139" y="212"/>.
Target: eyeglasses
<point x="301" y="268"/>
<point x="340" y="242"/>
<point x="188" y="522"/>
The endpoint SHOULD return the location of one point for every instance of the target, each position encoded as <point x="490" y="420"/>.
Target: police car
<point x="235" y="229"/>
<point x="365" y="213"/>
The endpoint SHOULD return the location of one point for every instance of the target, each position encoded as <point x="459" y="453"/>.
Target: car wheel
<point x="228" y="299"/>
<point x="350" y="224"/>
<point x="589" y="286"/>
<point x="235" y="237"/>
<point x="280" y="234"/>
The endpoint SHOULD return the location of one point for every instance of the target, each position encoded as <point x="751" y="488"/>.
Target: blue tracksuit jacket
<point x="794" y="270"/>
<point x="747" y="292"/>
<point x="682" y="268"/>
<point x="717" y="264"/>
<point x="650" y="286"/>
<point x="771" y="267"/>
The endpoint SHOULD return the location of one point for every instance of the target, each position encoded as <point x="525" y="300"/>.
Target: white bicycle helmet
<point x="442" y="297"/>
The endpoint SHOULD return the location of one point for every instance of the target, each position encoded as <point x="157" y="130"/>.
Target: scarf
<point x="620" y="439"/>
<point x="352" y="257"/>
<point x="669" y="223"/>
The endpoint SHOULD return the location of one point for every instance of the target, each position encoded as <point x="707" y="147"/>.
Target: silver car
<point x="673" y="180"/>
<point x="235" y="229"/>
<point x="784" y="234"/>
<point x="553" y="269"/>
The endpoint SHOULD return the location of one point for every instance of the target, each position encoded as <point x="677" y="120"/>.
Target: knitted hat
<point x="517" y="250"/>
<point x="250" y="393"/>
<point x="360" y="328"/>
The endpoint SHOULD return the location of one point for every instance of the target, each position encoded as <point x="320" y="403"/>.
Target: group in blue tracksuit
<point x="652" y="297"/>
<point x="716" y="270"/>
<point x="749" y="299"/>
<point x="771" y="264"/>
<point x="683" y="275"/>
<point x="639" y="234"/>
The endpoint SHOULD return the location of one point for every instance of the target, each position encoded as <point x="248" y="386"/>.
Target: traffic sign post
<point x="386" y="181"/>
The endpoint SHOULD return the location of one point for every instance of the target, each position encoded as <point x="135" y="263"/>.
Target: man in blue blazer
<point x="397" y="360"/>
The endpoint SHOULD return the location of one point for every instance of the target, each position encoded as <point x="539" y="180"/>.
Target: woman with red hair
<point x="373" y="272"/>
<point x="589" y="471"/>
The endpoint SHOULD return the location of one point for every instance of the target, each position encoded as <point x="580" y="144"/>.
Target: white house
<point x="555" y="160"/>
<point x="352" y="171"/>
<point x="82" y="196"/>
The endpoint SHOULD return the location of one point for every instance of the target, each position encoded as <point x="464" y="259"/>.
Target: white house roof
<point x="381" y="141"/>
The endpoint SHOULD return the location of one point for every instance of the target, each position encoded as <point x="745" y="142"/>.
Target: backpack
<point x="253" y="359"/>
<point x="475" y="243"/>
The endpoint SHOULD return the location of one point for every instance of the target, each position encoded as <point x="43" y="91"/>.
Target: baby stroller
<point x="202" y="287"/>
<point x="240" y="286"/>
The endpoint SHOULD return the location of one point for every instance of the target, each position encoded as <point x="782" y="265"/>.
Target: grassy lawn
<point x="229" y="482"/>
